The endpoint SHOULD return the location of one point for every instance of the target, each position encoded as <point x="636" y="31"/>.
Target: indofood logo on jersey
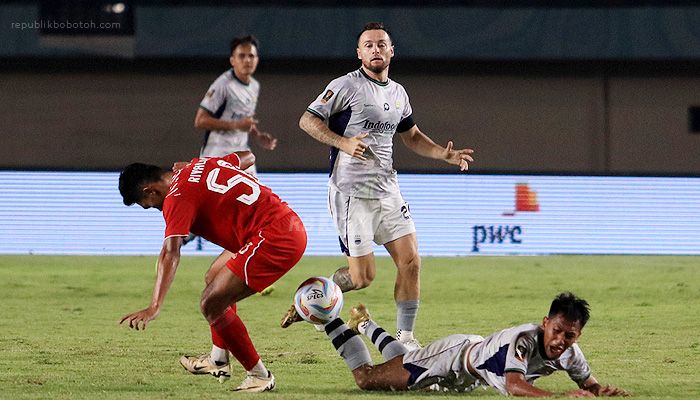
<point x="379" y="126"/>
<point x="525" y="201"/>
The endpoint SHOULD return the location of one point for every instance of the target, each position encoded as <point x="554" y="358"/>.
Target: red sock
<point x="215" y="338"/>
<point x="234" y="336"/>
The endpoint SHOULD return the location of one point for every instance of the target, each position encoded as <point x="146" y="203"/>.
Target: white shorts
<point x="442" y="362"/>
<point x="360" y="222"/>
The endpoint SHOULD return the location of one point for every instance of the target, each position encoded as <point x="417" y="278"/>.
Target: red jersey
<point x="213" y="198"/>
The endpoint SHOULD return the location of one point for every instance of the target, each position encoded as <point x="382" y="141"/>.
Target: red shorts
<point x="269" y="255"/>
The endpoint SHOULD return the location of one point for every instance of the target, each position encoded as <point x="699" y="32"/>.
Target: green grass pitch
<point x="59" y="336"/>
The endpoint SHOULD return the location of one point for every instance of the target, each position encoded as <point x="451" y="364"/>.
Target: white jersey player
<point x="227" y="113"/>
<point x="358" y="115"/>
<point x="229" y="97"/>
<point x="356" y="104"/>
<point x="509" y="360"/>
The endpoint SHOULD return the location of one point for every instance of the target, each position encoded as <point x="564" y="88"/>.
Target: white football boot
<point x="256" y="384"/>
<point x="202" y="364"/>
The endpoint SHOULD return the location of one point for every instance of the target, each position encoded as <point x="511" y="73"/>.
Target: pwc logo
<point x="525" y="201"/>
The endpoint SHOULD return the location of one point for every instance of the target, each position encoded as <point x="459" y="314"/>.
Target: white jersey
<point x="520" y="349"/>
<point x="354" y="104"/>
<point x="442" y="363"/>
<point x="229" y="98"/>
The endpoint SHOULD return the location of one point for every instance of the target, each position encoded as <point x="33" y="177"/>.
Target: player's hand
<point x="579" y="393"/>
<point x="179" y="165"/>
<point x="460" y="157"/>
<point x="244" y="124"/>
<point x="263" y="139"/>
<point x="612" y="391"/>
<point x="354" y="146"/>
<point x="138" y="320"/>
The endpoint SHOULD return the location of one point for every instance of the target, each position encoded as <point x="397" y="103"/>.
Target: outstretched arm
<point x="516" y="385"/>
<point x="422" y="145"/>
<point x="167" y="265"/>
<point x="592" y="385"/>
<point x="318" y="130"/>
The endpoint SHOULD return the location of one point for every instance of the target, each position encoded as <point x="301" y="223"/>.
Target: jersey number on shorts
<point x="247" y="199"/>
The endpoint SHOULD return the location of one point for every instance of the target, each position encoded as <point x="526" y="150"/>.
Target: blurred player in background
<point x="227" y="113"/>
<point x="262" y="236"/>
<point x="358" y="115"/>
<point x="509" y="360"/>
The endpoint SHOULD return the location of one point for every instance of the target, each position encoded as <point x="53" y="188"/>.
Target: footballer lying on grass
<point x="509" y="360"/>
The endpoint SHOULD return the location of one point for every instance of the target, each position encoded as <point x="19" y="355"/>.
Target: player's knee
<point x="363" y="383"/>
<point x="411" y="265"/>
<point x="362" y="379"/>
<point x="204" y="306"/>
<point x="209" y="307"/>
<point x="363" y="280"/>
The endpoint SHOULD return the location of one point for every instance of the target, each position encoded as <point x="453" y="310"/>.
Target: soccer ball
<point x="318" y="300"/>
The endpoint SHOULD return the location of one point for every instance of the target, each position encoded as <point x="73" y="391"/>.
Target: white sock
<point x="404" y="336"/>
<point x="218" y="355"/>
<point x="259" y="370"/>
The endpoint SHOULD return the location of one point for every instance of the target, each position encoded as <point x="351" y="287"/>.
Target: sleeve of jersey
<point x="179" y="216"/>
<point x="519" y="353"/>
<point x="335" y="98"/>
<point x="577" y="367"/>
<point x="406" y="122"/>
<point x="215" y="97"/>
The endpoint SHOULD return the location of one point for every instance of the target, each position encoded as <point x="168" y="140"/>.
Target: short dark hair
<point x="134" y="177"/>
<point x="250" y="39"/>
<point x="570" y="307"/>
<point x="371" y="26"/>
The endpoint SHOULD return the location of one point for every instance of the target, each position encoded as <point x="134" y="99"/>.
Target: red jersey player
<point x="262" y="236"/>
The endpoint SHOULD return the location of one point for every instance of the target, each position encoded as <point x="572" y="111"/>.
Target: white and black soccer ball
<point x="318" y="300"/>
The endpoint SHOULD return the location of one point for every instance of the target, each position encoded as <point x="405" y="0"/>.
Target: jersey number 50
<point x="246" y="199"/>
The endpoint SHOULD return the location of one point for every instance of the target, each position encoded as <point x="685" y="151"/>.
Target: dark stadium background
<point x="578" y="87"/>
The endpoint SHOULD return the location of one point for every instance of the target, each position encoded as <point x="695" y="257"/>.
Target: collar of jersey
<point x="380" y="83"/>
<point x="233" y="74"/>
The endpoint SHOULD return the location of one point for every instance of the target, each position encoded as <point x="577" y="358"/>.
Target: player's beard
<point x="249" y="70"/>
<point x="376" y="68"/>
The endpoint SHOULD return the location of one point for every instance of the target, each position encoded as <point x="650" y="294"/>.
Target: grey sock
<point x="387" y="345"/>
<point x="348" y="344"/>
<point x="406" y="313"/>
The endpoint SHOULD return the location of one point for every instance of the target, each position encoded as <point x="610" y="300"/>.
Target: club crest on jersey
<point x="386" y="106"/>
<point x="397" y="105"/>
<point x="327" y="96"/>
